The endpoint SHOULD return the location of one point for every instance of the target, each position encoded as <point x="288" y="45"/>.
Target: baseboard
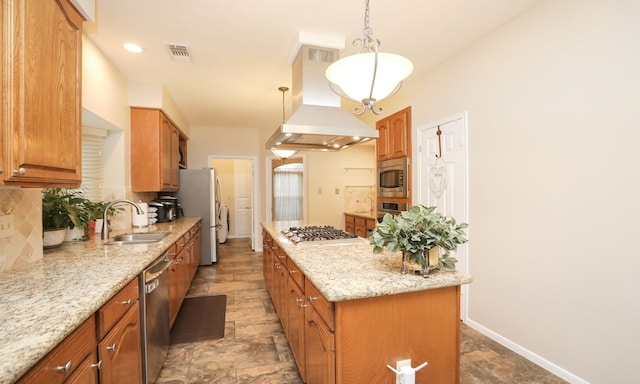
<point x="534" y="358"/>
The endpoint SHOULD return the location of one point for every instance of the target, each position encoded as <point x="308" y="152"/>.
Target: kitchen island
<point x="348" y="312"/>
<point x="41" y="303"/>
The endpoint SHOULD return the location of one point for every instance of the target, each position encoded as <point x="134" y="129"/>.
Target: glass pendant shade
<point x="354" y="75"/>
<point x="283" y="153"/>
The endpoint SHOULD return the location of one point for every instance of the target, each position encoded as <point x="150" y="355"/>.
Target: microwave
<point x="393" y="178"/>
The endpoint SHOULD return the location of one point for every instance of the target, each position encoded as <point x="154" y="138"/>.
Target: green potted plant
<point x="420" y="233"/>
<point x="61" y="209"/>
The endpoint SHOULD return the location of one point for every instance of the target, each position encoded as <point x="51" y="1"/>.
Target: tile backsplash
<point x="25" y="244"/>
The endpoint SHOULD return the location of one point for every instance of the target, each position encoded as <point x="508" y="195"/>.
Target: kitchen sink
<point x="137" y="238"/>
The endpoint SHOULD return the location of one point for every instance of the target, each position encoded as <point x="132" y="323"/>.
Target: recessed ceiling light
<point x="132" y="47"/>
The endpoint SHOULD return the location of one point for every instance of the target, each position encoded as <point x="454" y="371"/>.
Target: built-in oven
<point x="393" y="177"/>
<point x="393" y="208"/>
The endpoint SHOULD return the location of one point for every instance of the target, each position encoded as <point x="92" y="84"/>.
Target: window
<point x="287" y="192"/>
<point x="92" y="167"/>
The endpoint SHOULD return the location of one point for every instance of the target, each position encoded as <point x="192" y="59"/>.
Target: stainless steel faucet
<point x="105" y="227"/>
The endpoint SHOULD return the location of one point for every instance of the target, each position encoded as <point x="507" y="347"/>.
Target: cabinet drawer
<point x="71" y="352"/>
<point x="295" y="273"/>
<point x="371" y="224"/>
<point x="321" y="305"/>
<point x="114" y="309"/>
<point x="349" y="219"/>
<point x="182" y="241"/>
<point x="360" y="222"/>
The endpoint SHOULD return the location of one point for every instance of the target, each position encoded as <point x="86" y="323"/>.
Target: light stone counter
<point x="43" y="302"/>
<point x="351" y="271"/>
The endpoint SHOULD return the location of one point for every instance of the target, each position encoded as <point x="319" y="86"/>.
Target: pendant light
<point x="369" y="76"/>
<point x="283" y="154"/>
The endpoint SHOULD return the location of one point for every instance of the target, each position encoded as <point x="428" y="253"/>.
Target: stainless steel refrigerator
<point x="199" y="195"/>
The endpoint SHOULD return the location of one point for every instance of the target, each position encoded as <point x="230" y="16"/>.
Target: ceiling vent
<point x="179" y="52"/>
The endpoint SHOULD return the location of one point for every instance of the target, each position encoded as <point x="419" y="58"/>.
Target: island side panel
<point x="421" y="326"/>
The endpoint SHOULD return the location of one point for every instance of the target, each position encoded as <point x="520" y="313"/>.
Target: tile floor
<point x="255" y="350"/>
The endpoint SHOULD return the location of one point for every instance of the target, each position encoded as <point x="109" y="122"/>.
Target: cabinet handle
<point x="1" y="170"/>
<point x="312" y="298"/>
<point x="97" y="365"/>
<point x="128" y="302"/>
<point x="112" y="348"/>
<point x="65" y="368"/>
<point x="291" y="271"/>
<point x="20" y="171"/>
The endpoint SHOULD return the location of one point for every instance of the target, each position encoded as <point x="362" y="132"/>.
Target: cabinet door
<point x="296" y="323"/>
<point x="41" y="112"/>
<point x="87" y="371"/>
<point x="320" y="350"/>
<point x="399" y="134"/>
<point x="169" y="154"/>
<point x="382" y="143"/>
<point x="121" y="350"/>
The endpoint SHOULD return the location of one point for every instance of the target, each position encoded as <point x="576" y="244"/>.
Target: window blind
<point x="92" y="167"/>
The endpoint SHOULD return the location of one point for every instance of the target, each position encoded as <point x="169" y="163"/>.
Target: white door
<point x="442" y="178"/>
<point x="242" y="186"/>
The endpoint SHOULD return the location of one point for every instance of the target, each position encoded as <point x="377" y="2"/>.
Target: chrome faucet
<point x="105" y="227"/>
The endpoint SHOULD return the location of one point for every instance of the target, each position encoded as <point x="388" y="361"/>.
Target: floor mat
<point x="200" y="319"/>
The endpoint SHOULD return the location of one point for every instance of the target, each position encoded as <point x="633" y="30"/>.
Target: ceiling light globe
<point x="354" y="74"/>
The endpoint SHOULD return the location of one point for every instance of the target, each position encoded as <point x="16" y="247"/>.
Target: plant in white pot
<point x="61" y="209"/>
<point x="420" y="233"/>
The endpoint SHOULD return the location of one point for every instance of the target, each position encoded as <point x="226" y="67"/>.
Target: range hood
<point x="318" y="123"/>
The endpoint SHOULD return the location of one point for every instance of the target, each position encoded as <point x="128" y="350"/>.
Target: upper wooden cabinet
<point x="41" y="138"/>
<point x="395" y="136"/>
<point x="155" y="151"/>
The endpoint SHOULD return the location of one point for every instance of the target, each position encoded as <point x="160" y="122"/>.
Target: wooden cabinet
<point x="295" y="315"/>
<point x="394" y="139"/>
<point x="358" y="225"/>
<point x="155" y="151"/>
<point x="41" y="138"/>
<point x="120" y="348"/>
<point x="352" y="341"/>
<point x="185" y="253"/>
<point x="72" y="361"/>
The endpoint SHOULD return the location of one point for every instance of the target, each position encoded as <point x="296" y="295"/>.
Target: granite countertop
<point x="44" y="301"/>
<point x="364" y="215"/>
<point x="348" y="271"/>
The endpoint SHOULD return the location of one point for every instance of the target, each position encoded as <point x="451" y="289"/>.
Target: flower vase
<point x="431" y="260"/>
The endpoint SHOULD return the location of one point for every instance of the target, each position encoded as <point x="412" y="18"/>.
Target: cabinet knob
<point x="312" y="298"/>
<point x="20" y="171"/>
<point x="112" y="347"/>
<point x="97" y="365"/>
<point x="64" y="368"/>
<point x="1" y="170"/>
<point x="128" y="302"/>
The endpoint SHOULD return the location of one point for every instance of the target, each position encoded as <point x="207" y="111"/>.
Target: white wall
<point x="553" y="137"/>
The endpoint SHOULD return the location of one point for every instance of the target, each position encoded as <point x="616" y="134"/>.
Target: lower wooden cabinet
<point x="73" y="358"/>
<point x="358" y="225"/>
<point x="352" y="341"/>
<point x="320" y="349"/>
<point x="185" y="254"/>
<point x="121" y="350"/>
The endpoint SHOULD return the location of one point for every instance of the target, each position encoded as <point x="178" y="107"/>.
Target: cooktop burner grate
<point x="319" y="233"/>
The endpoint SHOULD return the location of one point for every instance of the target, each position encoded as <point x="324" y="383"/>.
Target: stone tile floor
<point x="255" y="350"/>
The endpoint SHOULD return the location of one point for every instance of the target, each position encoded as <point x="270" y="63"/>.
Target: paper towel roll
<point x="140" y="220"/>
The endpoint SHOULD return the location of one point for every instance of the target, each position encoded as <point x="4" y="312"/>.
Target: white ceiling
<point x="241" y="49"/>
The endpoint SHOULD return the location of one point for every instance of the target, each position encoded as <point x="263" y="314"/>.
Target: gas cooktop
<point x="319" y="234"/>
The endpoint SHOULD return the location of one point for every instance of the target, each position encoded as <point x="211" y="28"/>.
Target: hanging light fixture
<point x="283" y="154"/>
<point x="369" y="76"/>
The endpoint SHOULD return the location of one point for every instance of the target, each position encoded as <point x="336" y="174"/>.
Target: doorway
<point x="238" y="196"/>
<point x="286" y="188"/>
<point x="442" y="179"/>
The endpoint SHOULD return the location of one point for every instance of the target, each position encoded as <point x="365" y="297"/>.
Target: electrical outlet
<point x="399" y="365"/>
<point x="6" y="226"/>
<point x="337" y="191"/>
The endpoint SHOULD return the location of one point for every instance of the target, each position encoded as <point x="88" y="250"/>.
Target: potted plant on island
<point x="420" y="233"/>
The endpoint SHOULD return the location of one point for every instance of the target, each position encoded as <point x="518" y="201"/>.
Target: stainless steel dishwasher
<point x="154" y="314"/>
